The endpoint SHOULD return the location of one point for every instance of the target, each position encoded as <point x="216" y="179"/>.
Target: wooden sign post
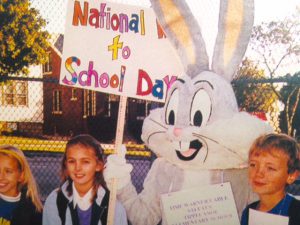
<point x="115" y="49"/>
<point x="118" y="145"/>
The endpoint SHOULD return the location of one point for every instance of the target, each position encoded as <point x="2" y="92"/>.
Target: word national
<point x="101" y="18"/>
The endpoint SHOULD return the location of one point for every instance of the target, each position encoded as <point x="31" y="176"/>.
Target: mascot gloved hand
<point x="199" y="136"/>
<point x="117" y="168"/>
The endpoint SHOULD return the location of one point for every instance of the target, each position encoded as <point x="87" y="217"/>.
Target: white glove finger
<point x="117" y="171"/>
<point x="116" y="159"/>
<point x="126" y="169"/>
<point x="123" y="151"/>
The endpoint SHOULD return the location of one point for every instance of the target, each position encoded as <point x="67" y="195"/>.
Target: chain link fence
<point x="44" y="150"/>
<point x="39" y="116"/>
<point x="46" y="167"/>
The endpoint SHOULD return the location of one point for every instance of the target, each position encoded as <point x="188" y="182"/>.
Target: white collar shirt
<point x="83" y="202"/>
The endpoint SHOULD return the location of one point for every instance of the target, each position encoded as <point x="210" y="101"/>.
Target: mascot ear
<point x="184" y="33"/>
<point x="235" y="25"/>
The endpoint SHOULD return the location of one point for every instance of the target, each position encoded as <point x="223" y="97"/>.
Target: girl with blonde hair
<point x="19" y="199"/>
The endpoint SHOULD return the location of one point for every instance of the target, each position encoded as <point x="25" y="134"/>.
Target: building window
<point x="47" y="67"/>
<point x="141" y="109"/>
<point x="56" y="101"/>
<point x="112" y="105"/>
<point x="106" y="106"/>
<point x="15" y="93"/>
<point x="74" y="94"/>
<point x="89" y="103"/>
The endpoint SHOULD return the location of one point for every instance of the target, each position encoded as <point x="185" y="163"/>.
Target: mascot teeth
<point x="192" y="147"/>
<point x="181" y="145"/>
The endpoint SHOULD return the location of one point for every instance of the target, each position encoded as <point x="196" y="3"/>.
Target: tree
<point x="291" y="94"/>
<point x="252" y="92"/>
<point x="277" y="43"/>
<point x="23" y="42"/>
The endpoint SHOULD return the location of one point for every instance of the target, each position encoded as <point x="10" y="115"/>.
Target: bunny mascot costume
<point x="199" y="136"/>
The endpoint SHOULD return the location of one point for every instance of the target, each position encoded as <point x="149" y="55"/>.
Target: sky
<point x="279" y="8"/>
<point x="54" y="12"/>
<point x="265" y="10"/>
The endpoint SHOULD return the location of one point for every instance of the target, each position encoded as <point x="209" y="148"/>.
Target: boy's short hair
<point x="281" y="142"/>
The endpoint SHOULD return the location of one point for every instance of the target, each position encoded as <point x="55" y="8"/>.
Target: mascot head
<point x="200" y="126"/>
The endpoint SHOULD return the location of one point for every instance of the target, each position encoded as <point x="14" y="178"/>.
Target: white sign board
<point x="117" y="49"/>
<point x="209" y="205"/>
<point x="263" y="218"/>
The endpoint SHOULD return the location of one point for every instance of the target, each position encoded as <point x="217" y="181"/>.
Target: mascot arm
<point x="145" y="208"/>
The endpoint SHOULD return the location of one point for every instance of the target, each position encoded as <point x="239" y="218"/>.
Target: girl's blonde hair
<point x="28" y="184"/>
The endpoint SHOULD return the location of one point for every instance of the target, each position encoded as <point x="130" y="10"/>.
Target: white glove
<point x="117" y="168"/>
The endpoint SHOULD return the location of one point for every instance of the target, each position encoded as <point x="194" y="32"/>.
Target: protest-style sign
<point x="263" y="218"/>
<point x="117" y="49"/>
<point x="207" y="205"/>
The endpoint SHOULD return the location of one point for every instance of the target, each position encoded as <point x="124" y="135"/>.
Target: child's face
<point x="81" y="165"/>
<point x="10" y="176"/>
<point x="268" y="172"/>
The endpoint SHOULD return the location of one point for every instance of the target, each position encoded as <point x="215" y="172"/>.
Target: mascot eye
<point x="172" y="107"/>
<point x="201" y="108"/>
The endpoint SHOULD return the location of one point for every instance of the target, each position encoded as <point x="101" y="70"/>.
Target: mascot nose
<point x="177" y="131"/>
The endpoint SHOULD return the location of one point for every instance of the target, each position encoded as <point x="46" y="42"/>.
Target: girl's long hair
<point x="88" y="142"/>
<point x="28" y="185"/>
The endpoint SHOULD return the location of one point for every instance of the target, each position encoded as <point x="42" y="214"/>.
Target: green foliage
<point x="252" y="93"/>
<point x="23" y="42"/>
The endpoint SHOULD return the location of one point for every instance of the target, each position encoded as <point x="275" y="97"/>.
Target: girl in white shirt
<point x="83" y="197"/>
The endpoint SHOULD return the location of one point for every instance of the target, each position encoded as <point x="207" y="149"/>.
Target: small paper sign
<point x="262" y="218"/>
<point x="209" y="205"/>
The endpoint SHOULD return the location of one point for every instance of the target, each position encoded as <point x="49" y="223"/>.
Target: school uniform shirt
<point x="289" y="206"/>
<point x="51" y="214"/>
<point x="18" y="211"/>
<point x="7" y="206"/>
<point x="84" y="206"/>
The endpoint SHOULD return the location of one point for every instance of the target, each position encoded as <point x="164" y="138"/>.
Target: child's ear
<point x="66" y="173"/>
<point x="292" y="177"/>
<point x="21" y="177"/>
<point x="65" y="170"/>
<point x="99" y="166"/>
